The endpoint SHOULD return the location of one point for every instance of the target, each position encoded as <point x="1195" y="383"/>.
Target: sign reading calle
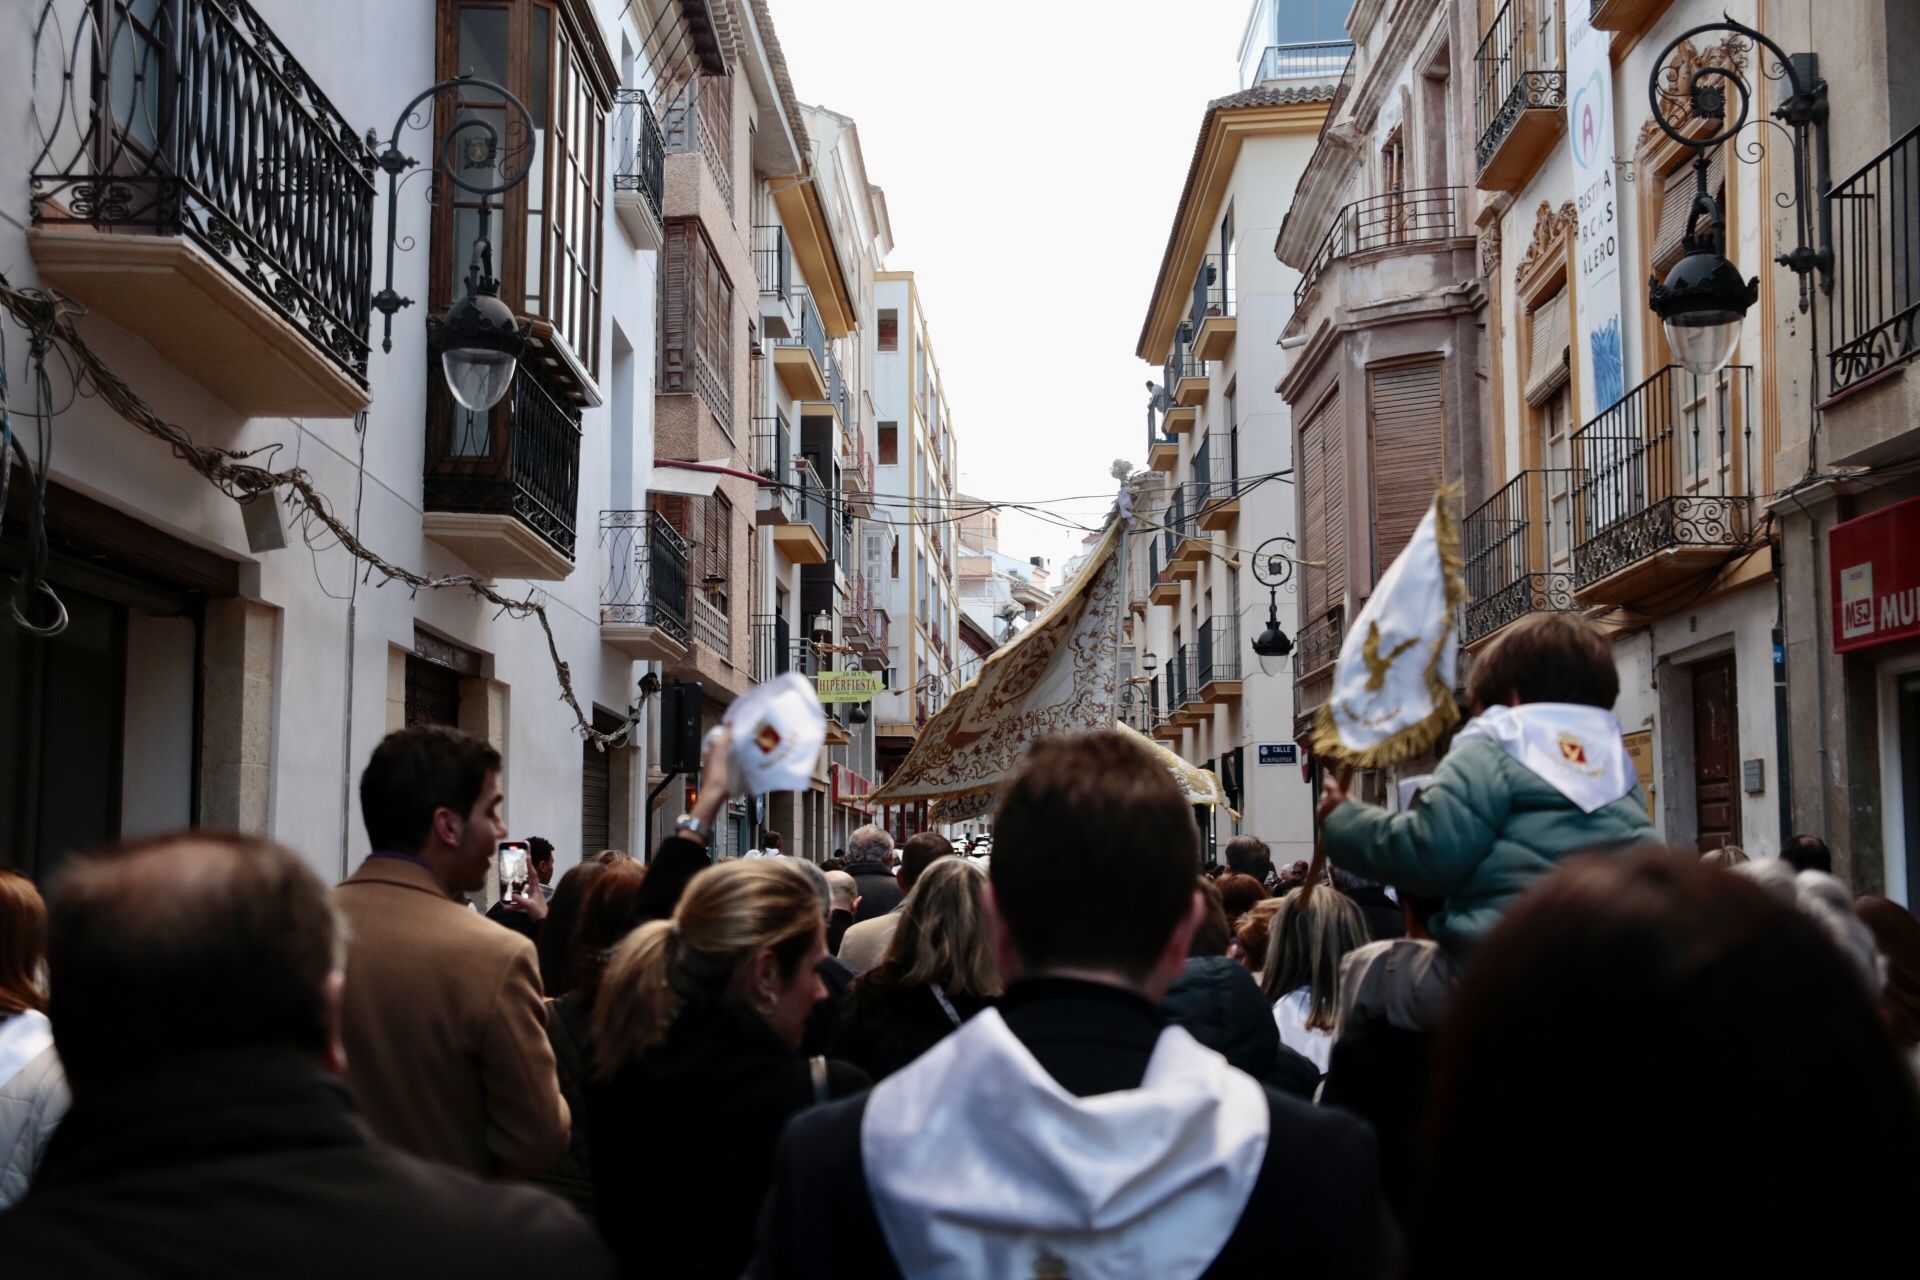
<point x="848" y="686"/>
<point x="1874" y="564"/>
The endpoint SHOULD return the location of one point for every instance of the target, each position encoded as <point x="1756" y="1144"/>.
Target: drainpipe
<point x="1783" y="741"/>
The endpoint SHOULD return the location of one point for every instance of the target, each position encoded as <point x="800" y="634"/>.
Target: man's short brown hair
<point x="1545" y="657"/>
<point x="187" y="943"/>
<point x="922" y="850"/>
<point x="1094" y="855"/>
<point x="416" y="772"/>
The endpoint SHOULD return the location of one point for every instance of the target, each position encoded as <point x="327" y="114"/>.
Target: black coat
<point x="1384" y="918"/>
<point x="1381" y="1073"/>
<point x="1222" y="1007"/>
<point x="683" y="1140"/>
<point x="1316" y="1205"/>
<point x="252" y="1163"/>
<point x="879" y="889"/>
<point x="885" y="1026"/>
<point x="570" y="1032"/>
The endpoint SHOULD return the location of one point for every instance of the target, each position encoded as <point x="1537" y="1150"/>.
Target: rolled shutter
<point x="596" y="799"/>
<point x="1547" y="369"/>
<point x="1408" y="425"/>
<point x="1333" y="448"/>
<point x="1676" y="202"/>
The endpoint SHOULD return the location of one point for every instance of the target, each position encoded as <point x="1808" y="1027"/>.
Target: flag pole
<point x="1317" y="867"/>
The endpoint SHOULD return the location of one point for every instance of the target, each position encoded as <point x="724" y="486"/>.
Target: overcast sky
<point x="1032" y="155"/>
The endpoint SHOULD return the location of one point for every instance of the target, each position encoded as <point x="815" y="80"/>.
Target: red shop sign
<point x="851" y="789"/>
<point x="1875" y="566"/>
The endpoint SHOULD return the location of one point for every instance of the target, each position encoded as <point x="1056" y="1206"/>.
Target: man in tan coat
<point x="445" y="1032"/>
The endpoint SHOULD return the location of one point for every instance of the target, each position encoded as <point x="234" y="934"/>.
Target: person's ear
<point x="764" y="980"/>
<point x="332" y="1000"/>
<point x="1004" y="952"/>
<point x="1174" y="958"/>
<point x="447" y="826"/>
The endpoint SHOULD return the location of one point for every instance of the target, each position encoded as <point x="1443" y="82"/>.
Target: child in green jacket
<point x="1540" y="772"/>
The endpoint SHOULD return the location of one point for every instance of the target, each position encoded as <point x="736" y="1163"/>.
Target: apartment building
<point x="914" y="444"/>
<point x="228" y="275"/>
<point x="1613" y="481"/>
<point x="1000" y="593"/>
<point x="1843" y="489"/>
<point x="1384" y="365"/>
<point x="1219" y="445"/>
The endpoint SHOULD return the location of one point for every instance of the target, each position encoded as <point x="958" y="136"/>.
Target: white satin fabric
<point x="980" y="1164"/>
<point x="23" y="1037"/>
<point x="1578" y="750"/>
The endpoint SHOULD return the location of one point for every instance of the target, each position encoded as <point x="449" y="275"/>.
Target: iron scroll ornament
<point x="471" y="146"/>
<point x="1802" y="114"/>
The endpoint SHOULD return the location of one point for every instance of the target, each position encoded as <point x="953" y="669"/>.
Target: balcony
<point x="1383" y="224"/>
<point x="1663" y="493"/>
<point x="1324" y="60"/>
<point x="1217" y="659"/>
<point x="1179" y="419"/>
<point x="1520" y="93"/>
<point x="772" y="645"/>
<point x="1190" y="708"/>
<point x="1314" y="652"/>
<point x="501" y="488"/>
<point x="776" y="503"/>
<point x="809" y="539"/>
<point x="1212" y="316"/>
<point x="857" y="480"/>
<point x="643" y="598"/>
<point x="1874" y="308"/>
<point x="835" y="398"/>
<point x="1190" y="548"/>
<point x="1185" y="372"/>
<point x="773" y="269"/>
<point x="639" y="168"/>
<point x="800" y="358"/>
<point x="1519" y="550"/>
<point x="1625" y="15"/>
<point x="1166" y="587"/>
<point x="1219" y="470"/>
<point x="199" y="190"/>
<point x="1161" y="703"/>
<point x="699" y="123"/>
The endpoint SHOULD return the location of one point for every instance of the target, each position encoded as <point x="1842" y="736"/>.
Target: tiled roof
<point x="1270" y="96"/>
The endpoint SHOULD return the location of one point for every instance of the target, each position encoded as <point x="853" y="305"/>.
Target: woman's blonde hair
<point x="729" y="914"/>
<point x="1311" y="935"/>
<point x="942" y="935"/>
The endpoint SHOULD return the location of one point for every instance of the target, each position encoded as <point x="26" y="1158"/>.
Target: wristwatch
<point x="692" y="826"/>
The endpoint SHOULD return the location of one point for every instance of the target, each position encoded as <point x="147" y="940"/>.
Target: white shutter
<point x="1547" y="351"/>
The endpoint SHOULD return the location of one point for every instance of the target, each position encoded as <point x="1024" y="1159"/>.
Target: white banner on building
<point x="1596" y="190"/>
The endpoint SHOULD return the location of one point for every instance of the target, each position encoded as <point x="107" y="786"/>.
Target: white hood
<point x="980" y="1164"/>
<point x="1578" y="750"/>
<point x="23" y="1037"/>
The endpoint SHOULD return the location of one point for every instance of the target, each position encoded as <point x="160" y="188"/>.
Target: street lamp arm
<point x="1713" y="104"/>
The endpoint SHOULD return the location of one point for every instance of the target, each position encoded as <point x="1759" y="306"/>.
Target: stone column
<point x="238" y="670"/>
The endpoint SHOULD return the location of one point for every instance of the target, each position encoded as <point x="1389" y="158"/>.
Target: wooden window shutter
<point x="1408" y="427"/>
<point x="1676" y="202"/>
<point x="1313" y="518"/>
<point x="1547" y="368"/>
<point x="676" y="306"/>
<point x="676" y="509"/>
<point x="1333" y="449"/>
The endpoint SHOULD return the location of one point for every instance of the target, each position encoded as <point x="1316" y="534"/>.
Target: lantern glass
<point x="476" y="376"/>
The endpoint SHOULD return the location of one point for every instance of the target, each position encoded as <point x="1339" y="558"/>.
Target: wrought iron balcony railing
<point x="838" y="394"/>
<point x="772" y="261"/>
<point x="1323" y="60"/>
<point x="1658" y="471"/>
<point x="1217" y="651"/>
<point x="190" y="118"/>
<point x="1518" y="66"/>
<point x="772" y="646"/>
<point x="1212" y="289"/>
<point x="1385" y="222"/>
<point x="1875" y="304"/>
<point x="810" y="333"/>
<point x="639" y="149"/>
<point x="521" y="458"/>
<point x="773" y="450"/>
<point x="1519" y="550"/>
<point x="815" y="507"/>
<point x="1318" y="644"/>
<point x="1181" y="361"/>
<point x="1222" y="472"/>
<point x="646" y="572"/>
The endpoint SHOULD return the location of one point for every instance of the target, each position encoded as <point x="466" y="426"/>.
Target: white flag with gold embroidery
<point x="1392" y="693"/>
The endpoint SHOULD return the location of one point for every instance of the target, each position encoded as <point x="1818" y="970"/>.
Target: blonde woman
<point x="938" y="972"/>
<point x="697" y="1028"/>
<point x="1311" y="935"/>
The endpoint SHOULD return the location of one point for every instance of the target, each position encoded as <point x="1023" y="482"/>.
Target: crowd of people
<point x="1507" y="1033"/>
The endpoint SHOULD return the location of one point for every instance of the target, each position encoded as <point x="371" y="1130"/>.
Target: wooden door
<point x="1716" y="754"/>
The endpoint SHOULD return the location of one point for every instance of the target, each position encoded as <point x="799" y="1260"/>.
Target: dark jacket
<point x="885" y="1025"/>
<point x="252" y="1163"/>
<point x="683" y="1140"/>
<point x="1222" y="1007"/>
<point x="1317" y="1198"/>
<point x="674" y="862"/>
<point x="1385" y="920"/>
<point x="836" y="978"/>
<point x="839" y="920"/>
<point x="879" y="889"/>
<point x="570" y="1031"/>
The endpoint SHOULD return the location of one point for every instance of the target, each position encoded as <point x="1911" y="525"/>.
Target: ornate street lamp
<point x="1273" y="569"/>
<point x="1704" y="298"/>
<point x="479" y="341"/>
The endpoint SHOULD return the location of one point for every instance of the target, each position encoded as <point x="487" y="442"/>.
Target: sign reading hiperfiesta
<point x="847" y="686"/>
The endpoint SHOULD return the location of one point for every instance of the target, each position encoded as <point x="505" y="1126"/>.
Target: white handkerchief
<point x="778" y="729"/>
<point x="1577" y="749"/>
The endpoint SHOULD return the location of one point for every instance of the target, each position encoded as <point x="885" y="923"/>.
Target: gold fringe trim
<point x="1418" y="738"/>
